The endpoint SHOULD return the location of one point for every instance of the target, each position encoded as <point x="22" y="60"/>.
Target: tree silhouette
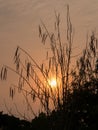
<point x="58" y="65"/>
<point x="72" y="104"/>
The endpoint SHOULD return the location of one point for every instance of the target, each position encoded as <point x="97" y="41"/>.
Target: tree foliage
<point x="57" y="66"/>
<point x="73" y="103"/>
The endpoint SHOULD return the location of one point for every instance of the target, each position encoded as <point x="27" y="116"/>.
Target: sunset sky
<point x="19" y="20"/>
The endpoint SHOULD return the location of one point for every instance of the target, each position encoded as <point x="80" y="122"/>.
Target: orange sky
<point x="19" y="20"/>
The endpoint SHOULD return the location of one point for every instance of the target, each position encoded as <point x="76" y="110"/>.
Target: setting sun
<point x="53" y="82"/>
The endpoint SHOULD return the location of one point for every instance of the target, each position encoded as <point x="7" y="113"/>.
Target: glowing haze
<point x="52" y="82"/>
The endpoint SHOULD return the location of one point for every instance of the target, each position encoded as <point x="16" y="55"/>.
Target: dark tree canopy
<point x="75" y="99"/>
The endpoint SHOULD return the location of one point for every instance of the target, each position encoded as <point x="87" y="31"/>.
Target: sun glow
<point x="53" y="82"/>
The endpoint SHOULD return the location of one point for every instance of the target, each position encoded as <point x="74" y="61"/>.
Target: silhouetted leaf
<point x="28" y="69"/>
<point x="40" y="32"/>
<point x="1" y="75"/>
